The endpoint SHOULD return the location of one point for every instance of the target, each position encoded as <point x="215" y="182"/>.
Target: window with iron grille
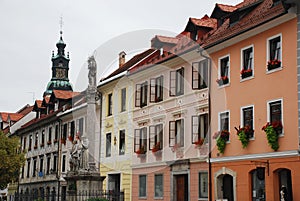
<point x="203" y="185"/>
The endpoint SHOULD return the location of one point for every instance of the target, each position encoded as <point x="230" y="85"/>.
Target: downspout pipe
<point x="201" y="50"/>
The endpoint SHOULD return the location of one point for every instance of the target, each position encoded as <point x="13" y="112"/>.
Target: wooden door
<point x="181" y="188"/>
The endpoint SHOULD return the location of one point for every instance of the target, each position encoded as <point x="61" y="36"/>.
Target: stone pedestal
<point x="83" y="184"/>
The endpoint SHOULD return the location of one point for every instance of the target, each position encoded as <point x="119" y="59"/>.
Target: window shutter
<point x="204" y="74"/>
<point x="152" y="135"/>
<point x="172" y="133"/>
<point x="152" y="90"/>
<point x="159" y="132"/>
<point x="195" y="129"/>
<point x="136" y="139"/>
<point x="195" y="75"/>
<point x="182" y="133"/>
<point x="172" y="83"/>
<point x="138" y="95"/>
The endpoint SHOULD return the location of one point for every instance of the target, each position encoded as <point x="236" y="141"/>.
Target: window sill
<point x="223" y="86"/>
<point x="158" y="198"/>
<point x="274" y="70"/>
<point x="247" y="78"/>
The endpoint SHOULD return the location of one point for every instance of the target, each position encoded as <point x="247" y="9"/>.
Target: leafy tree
<point x="11" y="159"/>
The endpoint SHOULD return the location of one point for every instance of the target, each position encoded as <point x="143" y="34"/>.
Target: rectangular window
<point x="122" y="142"/>
<point x="176" y="133"/>
<point x="72" y="130"/>
<point x="22" y="173"/>
<point x="108" y="144"/>
<point x="123" y="99"/>
<point x="274" y="52"/>
<point x="275" y="115"/>
<point x="28" y="168"/>
<point x="156" y="89"/>
<point x="36" y="140"/>
<point x="34" y="168"/>
<point x="48" y="164"/>
<point x="200" y="74"/>
<point x="203" y="185"/>
<point x="223" y="71"/>
<point x="247" y="120"/>
<point x="56" y="132"/>
<point x="65" y="131"/>
<point x="247" y="62"/>
<point x="156" y="137"/>
<point x="142" y="186"/>
<point x="30" y="143"/>
<point x="41" y="164"/>
<point x="109" y="105"/>
<point x="54" y="162"/>
<point x="200" y="128"/>
<point x="141" y="94"/>
<point x="177" y="82"/>
<point x="63" y="168"/>
<point x="140" y="140"/>
<point x="24" y="143"/>
<point x="43" y="138"/>
<point x="158" y="186"/>
<point x="224" y="121"/>
<point x="49" y="135"/>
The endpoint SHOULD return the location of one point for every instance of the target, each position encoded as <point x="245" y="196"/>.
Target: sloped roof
<point x="259" y="15"/>
<point x="166" y="39"/>
<point x="65" y="95"/>
<point x="204" y="22"/>
<point x="15" y="117"/>
<point x="134" y="60"/>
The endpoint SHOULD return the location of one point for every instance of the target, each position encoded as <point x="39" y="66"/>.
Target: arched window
<point x="285" y="184"/>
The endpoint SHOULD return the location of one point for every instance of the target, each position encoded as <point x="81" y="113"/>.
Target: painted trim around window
<point x="219" y="121"/>
<point x="219" y="70"/>
<point x="268" y="53"/>
<point x="268" y="113"/>
<point x="242" y="62"/>
<point x="242" y="118"/>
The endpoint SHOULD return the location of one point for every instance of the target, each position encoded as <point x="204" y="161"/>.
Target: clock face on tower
<point x="60" y="73"/>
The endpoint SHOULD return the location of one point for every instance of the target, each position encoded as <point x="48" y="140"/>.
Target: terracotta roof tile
<point x="227" y="8"/>
<point x="205" y="22"/>
<point x="39" y="103"/>
<point x="65" y="95"/>
<point x="262" y="13"/>
<point x="166" y="39"/>
<point x="15" y="117"/>
<point x="4" y="116"/>
<point x="133" y="61"/>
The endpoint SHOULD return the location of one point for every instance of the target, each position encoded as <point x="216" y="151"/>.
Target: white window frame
<point x="145" y="186"/>
<point x="219" y="121"/>
<point x="202" y="172"/>
<point x="268" y="52"/>
<point x="242" y="118"/>
<point x="219" y="69"/>
<point x="159" y="174"/>
<point x="242" y="61"/>
<point x="268" y="112"/>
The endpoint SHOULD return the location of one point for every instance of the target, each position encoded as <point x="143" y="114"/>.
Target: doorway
<point x="285" y="180"/>
<point x="227" y="187"/>
<point x="181" y="187"/>
<point x="114" y="183"/>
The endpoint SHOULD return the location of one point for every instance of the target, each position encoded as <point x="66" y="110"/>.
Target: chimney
<point x="121" y="58"/>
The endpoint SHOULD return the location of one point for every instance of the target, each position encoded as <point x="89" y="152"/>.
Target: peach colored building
<point x="254" y="56"/>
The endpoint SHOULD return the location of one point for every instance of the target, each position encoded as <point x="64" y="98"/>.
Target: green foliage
<point x="221" y="144"/>
<point x="243" y="138"/>
<point x="97" y="199"/>
<point x="11" y="159"/>
<point x="272" y="137"/>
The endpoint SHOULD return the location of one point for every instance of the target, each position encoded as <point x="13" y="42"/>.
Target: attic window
<point x="276" y="2"/>
<point x="234" y="19"/>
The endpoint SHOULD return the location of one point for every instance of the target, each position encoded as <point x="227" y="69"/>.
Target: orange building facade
<point x="258" y="69"/>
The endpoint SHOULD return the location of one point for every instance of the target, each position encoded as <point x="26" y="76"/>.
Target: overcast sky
<point x="30" y="30"/>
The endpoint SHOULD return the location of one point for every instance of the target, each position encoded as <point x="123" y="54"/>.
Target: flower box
<point x="244" y="134"/>
<point x="49" y="142"/>
<point x="55" y="140"/>
<point x="223" y="80"/>
<point x="272" y="131"/>
<point x="246" y="73"/>
<point x="70" y="138"/>
<point x="273" y="64"/>
<point x="199" y="143"/>
<point x="222" y="137"/>
<point x="156" y="147"/>
<point x="141" y="152"/>
<point x="63" y="141"/>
